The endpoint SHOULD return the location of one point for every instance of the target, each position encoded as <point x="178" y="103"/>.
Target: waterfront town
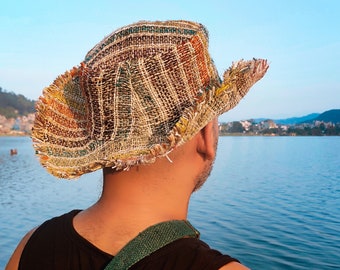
<point x="22" y="125"/>
<point x="271" y="128"/>
<point x="19" y="126"/>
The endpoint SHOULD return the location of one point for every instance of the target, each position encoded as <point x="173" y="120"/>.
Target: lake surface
<point x="271" y="202"/>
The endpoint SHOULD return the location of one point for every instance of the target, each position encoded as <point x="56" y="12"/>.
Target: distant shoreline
<point x="14" y="135"/>
<point x="248" y="134"/>
<point x="220" y="135"/>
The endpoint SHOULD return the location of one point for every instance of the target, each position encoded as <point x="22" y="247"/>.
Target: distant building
<point x="269" y="124"/>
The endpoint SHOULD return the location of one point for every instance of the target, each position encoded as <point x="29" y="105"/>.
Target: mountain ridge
<point x="332" y="115"/>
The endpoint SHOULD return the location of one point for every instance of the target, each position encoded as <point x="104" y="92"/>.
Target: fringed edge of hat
<point x="53" y="101"/>
<point x="237" y="81"/>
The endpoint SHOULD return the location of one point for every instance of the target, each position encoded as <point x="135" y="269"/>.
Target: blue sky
<point x="300" y="39"/>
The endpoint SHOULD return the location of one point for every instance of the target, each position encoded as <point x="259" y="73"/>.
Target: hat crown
<point x="140" y="78"/>
<point x="143" y="39"/>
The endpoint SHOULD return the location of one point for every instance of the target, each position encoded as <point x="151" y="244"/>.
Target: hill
<point x="291" y="120"/>
<point x="297" y="120"/>
<point x="332" y="116"/>
<point x="13" y="105"/>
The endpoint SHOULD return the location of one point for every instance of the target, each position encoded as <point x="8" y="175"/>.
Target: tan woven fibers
<point x="143" y="90"/>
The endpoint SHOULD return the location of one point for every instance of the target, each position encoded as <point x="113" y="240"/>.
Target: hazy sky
<point x="301" y="40"/>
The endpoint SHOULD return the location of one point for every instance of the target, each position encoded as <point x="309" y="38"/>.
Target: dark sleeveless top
<point x="57" y="245"/>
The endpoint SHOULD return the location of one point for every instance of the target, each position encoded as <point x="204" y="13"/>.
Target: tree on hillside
<point x="12" y="105"/>
<point x="236" y="127"/>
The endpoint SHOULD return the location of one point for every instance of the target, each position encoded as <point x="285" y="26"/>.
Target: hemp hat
<point x="139" y="93"/>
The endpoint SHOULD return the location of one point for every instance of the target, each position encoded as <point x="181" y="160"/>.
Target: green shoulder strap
<point x="150" y="240"/>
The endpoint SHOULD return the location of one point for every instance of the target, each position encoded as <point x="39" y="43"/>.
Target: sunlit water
<point x="271" y="202"/>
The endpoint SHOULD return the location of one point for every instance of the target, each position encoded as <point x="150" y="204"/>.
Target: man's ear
<point x="207" y="140"/>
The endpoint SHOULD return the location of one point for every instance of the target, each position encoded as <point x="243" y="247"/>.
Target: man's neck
<point x="132" y="201"/>
<point x="146" y="192"/>
<point x="145" y="195"/>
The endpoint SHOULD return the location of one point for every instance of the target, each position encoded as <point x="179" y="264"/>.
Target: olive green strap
<point x="150" y="240"/>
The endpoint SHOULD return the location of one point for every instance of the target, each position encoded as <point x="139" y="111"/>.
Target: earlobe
<point x="207" y="140"/>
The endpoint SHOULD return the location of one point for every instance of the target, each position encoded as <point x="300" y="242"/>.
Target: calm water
<point x="271" y="202"/>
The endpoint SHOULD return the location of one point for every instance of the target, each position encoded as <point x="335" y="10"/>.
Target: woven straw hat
<point x="143" y="90"/>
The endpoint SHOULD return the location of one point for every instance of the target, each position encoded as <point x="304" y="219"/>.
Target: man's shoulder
<point x="185" y="253"/>
<point x="13" y="262"/>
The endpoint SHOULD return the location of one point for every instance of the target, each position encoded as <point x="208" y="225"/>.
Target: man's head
<point x="185" y="169"/>
<point x="141" y="92"/>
